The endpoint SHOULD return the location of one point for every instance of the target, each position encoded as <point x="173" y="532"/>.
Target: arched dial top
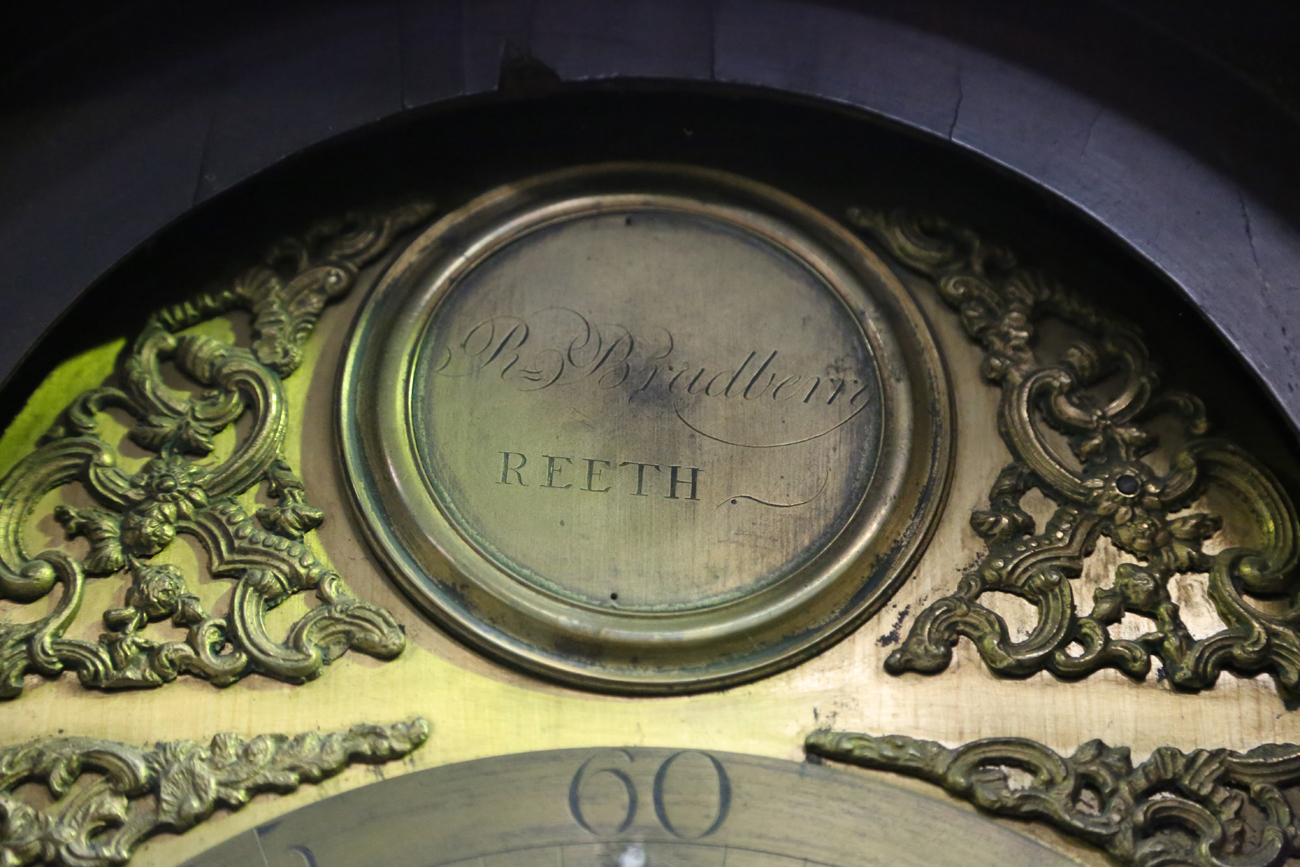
<point x="644" y="428"/>
<point x="632" y="807"/>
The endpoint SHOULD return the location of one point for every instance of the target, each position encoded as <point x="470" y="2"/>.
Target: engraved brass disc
<point x="644" y="428"/>
<point x="634" y="807"/>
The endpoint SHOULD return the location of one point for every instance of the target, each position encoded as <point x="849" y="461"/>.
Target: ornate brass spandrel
<point x="109" y="797"/>
<point x="188" y="486"/>
<point x="1203" y="808"/>
<point x="1105" y="486"/>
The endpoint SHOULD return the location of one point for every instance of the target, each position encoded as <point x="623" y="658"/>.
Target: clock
<point x="645" y="428"/>
<point x="631" y="807"/>
<point x="636" y="473"/>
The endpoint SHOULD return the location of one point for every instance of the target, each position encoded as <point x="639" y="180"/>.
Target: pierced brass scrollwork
<point x="1206" y="808"/>
<point x="1108" y="489"/>
<point x="109" y="797"/>
<point x="186" y="489"/>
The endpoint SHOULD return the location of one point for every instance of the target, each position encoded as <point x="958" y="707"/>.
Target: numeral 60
<point x="614" y="767"/>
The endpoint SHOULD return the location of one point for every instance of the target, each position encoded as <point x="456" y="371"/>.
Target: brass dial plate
<point x="633" y="807"/>
<point x="644" y="428"/>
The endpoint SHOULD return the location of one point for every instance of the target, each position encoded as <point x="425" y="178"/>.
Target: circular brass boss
<point x="644" y="428"/>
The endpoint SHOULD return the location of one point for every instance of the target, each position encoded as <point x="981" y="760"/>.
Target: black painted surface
<point x="116" y="120"/>
<point x="831" y="157"/>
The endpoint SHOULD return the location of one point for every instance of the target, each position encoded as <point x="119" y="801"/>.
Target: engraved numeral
<point x="661" y="799"/>
<point x="308" y="858"/>
<point x="723" y="796"/>
<point x="582" y="776"/>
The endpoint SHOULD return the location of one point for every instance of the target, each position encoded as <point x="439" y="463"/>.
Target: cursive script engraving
<point x="558" y="346"/>
<point x="735" y="499"/>
<point x="778" y="445"/>
<point x="588" y="399"/>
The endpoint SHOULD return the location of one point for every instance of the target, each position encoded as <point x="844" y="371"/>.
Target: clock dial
<point x="632" y="807"/>
<point x="645" y="428"/>
<point x="739" y="398"/>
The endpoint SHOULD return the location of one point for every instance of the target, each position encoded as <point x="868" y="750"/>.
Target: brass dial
<point x="633" y="807"/>
<point x="645" y="428"/>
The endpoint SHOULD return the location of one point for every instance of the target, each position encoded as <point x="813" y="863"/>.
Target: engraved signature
<point x="557" y="347"/>
<point x="507" y="344"/>
<point x="577" y="350"/>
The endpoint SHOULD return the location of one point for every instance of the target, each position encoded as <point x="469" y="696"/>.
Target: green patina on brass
<point x="109" y="797"/>
<point x="1108" y="489"/>
<point x="1204" y="808"/>
<point x="200" y="465"/>
<point x="65" y="382"/>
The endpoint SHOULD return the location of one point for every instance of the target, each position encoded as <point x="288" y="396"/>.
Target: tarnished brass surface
<point x="198" y="479"/>
<point x="486" y="709"/>
<point x="645" y="428"/>
<point x="1200" y="808"/>
<point x="1084" y="425"/>
<point x="631" y="807"/>
<point x="107" y="797"/>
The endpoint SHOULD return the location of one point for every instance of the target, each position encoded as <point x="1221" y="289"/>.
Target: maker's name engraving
<point x="597" y="476"/>
<point x="558" y="346"/>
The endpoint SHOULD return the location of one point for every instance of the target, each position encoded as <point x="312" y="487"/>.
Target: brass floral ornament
<point x="109" y="797"/>
<point x="188" y="489"/>
<point x="1204" y="808"/>
<point x="1108" y="489"/>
